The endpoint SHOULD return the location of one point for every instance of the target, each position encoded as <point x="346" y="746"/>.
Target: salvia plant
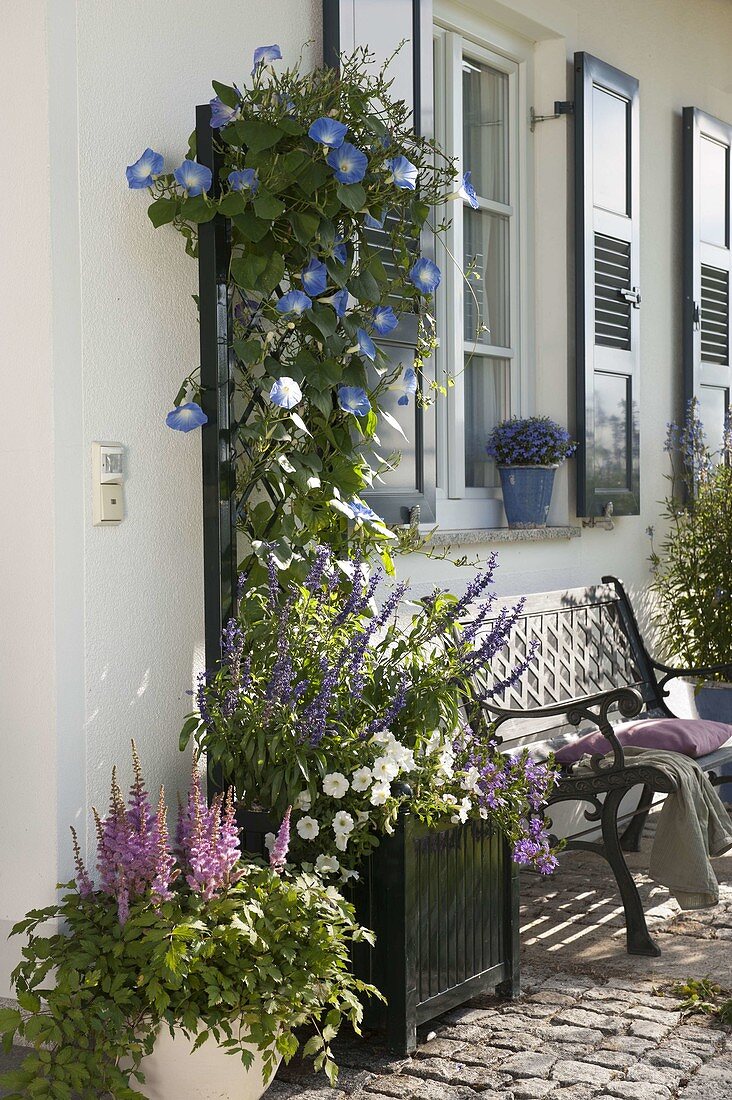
<point x="530" y="441"/>
<point x="327" y="191"/>
<point x="182" y="934"/>
<point x="692" y="565"/>
<point x="349" y="712"/>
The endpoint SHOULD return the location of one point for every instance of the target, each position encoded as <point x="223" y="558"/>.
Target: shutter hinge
<point x="696" y="315"/>
<point x="633" y="296"/>
<point x="561" y="107"/>
<point x="606" y="521"/>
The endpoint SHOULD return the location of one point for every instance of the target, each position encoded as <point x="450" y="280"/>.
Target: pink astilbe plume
<point x="165" y="874"/>
<point x="278" y="855"/>
<point x="208" y="840"/>
<point x="129" y="844"/>
<point x="83" y="881"/>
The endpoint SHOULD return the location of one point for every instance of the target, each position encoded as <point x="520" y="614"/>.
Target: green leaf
<point x="246" y="270"/>
<point x="189" y="726"/>
<point x="304" y="226"/>
<point x="198" y="209"/>
<point x="248" y="351"/>
<point x="162" y="211"/>
<point x="250" y="226"/>
<point x="273" y="273"/>
<point x="226" y="94"/>
<point x="9" y="1019"/>
<point x="258" y="135"/>
<point x="352" y="195"/>
<point x="29" y="1001"/>
<point x="325" y="319"/>
<point x="232" y="203"/>
<point x="364" y="287"/>
<point x="267" y="206"/>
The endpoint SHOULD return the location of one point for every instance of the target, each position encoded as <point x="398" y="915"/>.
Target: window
<point x="479" y="309"/>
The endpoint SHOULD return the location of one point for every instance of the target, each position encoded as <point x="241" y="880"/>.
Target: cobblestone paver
<point x="593" y="1022"/>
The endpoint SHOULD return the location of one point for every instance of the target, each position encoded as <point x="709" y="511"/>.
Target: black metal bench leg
<point x="638" y="938"/>
<point x="630" y="841"/>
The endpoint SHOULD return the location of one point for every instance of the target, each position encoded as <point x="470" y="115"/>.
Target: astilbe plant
<point x="692" y="565"/>
<point x="189" y="937"/>
<point x="347" y="712"/>
<point x="327" y="190"/>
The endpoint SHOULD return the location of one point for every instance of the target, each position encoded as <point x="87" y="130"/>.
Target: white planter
<point x="172" y="1072"/>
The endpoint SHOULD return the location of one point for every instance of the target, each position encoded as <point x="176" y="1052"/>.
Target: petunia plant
<point x="348" y="713"/>
<point x="328" y="193"/>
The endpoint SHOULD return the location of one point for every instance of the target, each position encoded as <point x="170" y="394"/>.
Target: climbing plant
<point x="329" y="194"/>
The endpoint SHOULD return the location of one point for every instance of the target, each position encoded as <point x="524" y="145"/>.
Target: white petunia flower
<point x="470" y="780"/>
<point x="483" y="813"/>
<point x="362" y="816"/>
<point x="384" y="769"/>
<point x="335" y="784"/>
<point x="343" y="822"/>
<point x="269" y="841"/>
<point x="432" y="743"/>
<point x="361" y="779"/>
<point x="379" y="793"/>
<point x="405" y="759"/>
<point x="447" y="762"/>
<point x="341" y="841"/>
<point x="303" y="801"/>
<point x="462" y="815"/>
<point x="308" y="828"/>
<point x="327" y="865"/>
<point x="382" y="737"/>
<point x="449" y="799"/>
<point x="347" y="875"/>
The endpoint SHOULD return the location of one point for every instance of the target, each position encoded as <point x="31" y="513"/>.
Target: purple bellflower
<point x="328" y="131"/>
<point x="244" y="180"/>
<point x="263" y="55"/>
<point x="354" y="399"/>
<point x="314" y="277"/>
<point x="286" y="393"/>
<point x="384" y="320"/>
<point x="194" y="178"/>
<point x="185" y="418"/>
<point x="425" y="275"/>
<point x="349" y="164"/>
<point x="144" y="171"/>
<point x="293" y="302"/>
<point x="403" y="173"/>
<point x="221" y="113"/>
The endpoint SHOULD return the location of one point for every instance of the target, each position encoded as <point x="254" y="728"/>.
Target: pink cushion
<point x="689" y="736"/>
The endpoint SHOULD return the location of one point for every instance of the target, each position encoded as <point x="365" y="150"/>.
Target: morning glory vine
<point x="328" y="191"/>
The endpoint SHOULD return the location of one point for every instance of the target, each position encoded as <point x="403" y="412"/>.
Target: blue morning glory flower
<point x="340" y="255"/>
<point x="373" y="223"/>
<point x="352" y="399"/>
<point x="425" y="275"/>
<point x="348" y="162"/>
<point x="244" y="180"/>
<point x="339" y="301"/>
<point x="286" y="393"/>
<point x="467" y="192"/>
<point x="403" y="173"/>
<point x="142" y="173"/>
<point x="193" y="178"/>
<point x="293" y="302"/>
<point x="186" y="417"/>
<point x="328" y="131"/>
<point x="365" y="344"/>
<point x="315" y="277"/>
<point x="362" y="511"/>
<point x="221" y="113"/>
<point x="409" y="385"/>
<point x="264" y="54"/>
<point x="384" y="320"/>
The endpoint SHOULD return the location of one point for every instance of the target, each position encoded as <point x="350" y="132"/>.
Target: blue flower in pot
<point x="527" y="451"/>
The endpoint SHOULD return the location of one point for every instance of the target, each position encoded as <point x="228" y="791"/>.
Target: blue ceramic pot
<point x="527" y="494"/>
<point x="714" y="702"/>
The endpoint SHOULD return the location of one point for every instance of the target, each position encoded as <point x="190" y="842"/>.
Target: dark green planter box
<point x="443" y="903"/>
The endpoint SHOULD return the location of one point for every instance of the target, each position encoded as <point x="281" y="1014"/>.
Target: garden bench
<point x="591" y="660"/>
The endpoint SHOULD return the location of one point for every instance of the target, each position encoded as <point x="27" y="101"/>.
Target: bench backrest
<point x="588" y="642"/>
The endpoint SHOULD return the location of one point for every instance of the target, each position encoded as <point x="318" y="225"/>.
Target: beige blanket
<point x="693" y="826"/>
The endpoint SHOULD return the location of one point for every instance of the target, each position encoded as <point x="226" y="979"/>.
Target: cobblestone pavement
<point x="593" y="1022"/>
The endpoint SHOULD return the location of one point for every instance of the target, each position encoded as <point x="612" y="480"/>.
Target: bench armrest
<point x="671" y="673"/>
<point x="593" y="708"/>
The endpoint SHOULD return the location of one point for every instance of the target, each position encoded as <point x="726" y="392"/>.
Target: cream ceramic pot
<point x="172" y="1072"/>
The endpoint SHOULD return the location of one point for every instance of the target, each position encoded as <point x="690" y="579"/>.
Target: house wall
<point x="102" y="628"/>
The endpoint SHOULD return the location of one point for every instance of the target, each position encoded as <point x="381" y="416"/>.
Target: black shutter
<point x="382" y="25"/>
<point x="707" y="267"/>
<point x="607" y="288"/>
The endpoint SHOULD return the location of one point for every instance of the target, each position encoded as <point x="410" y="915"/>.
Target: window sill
<point x="486" y="535"/>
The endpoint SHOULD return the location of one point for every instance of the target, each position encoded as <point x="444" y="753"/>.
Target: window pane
<point x="485" y="129"/>
<point x="486" y="402"/>
<point x="609" y="150"/>
<point x="713" y="414"/>
<point x="486" y="291"/>
<point x="611" y="430"/>
<point x="714" y="191"/>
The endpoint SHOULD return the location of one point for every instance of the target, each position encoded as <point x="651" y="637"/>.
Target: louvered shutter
<point x="607" y="288"/>
<point x="707" y="266"/>
<point x="381" y="25"/>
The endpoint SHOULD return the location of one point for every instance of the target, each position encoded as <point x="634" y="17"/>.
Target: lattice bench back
<point x="589" y="642"/>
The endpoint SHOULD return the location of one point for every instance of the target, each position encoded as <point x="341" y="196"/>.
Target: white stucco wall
<point x="102" y="629"/>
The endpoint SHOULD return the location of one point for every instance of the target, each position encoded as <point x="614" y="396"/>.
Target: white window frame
<point x="458" y="506"/>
